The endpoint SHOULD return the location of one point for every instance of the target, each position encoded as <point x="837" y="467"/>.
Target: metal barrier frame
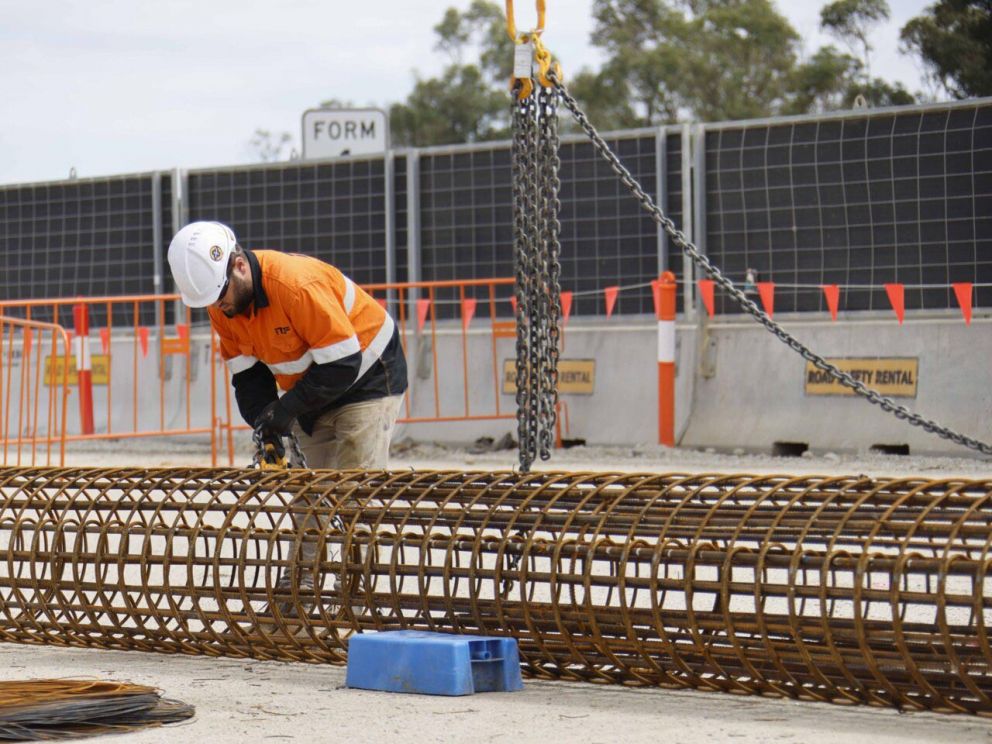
<point x="166" y="346"/>
<point x="25" y="390"/>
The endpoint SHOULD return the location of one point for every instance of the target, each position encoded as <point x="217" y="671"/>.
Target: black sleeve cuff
<point x="254" y="389"/>
<point x="321" y="385"/>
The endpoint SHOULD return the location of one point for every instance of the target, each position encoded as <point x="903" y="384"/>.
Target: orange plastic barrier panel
<point x="29" y="376"/>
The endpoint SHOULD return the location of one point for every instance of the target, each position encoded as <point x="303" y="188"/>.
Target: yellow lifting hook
<point x="541" y="54"/>
<point x="511" y="26"/>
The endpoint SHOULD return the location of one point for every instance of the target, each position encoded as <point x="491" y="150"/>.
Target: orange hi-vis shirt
<point x="315" y="315"/>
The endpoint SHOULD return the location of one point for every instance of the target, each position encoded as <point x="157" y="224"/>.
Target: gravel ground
<point x="657" y="459"/>
<point x="248" y="701"/>
<point x="407" y="453"/>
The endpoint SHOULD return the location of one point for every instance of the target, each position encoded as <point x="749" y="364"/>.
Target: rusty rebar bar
<point x="845" y="589"/>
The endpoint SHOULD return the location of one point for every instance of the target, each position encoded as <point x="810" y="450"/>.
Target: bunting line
<point x="895" y="292"/>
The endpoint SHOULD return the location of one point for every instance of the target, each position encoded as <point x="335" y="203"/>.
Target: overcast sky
<point x="122" y="86"/>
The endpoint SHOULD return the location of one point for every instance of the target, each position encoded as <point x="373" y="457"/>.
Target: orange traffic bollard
<point x="665" y="309"/>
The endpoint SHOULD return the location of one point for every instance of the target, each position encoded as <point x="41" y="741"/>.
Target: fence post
<point x="661" y="191"/>
<point x="81" y="332"/>
<point x="665" y="307"/>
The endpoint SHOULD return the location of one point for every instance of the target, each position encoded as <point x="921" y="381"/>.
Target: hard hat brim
<point x="200" y="302"/>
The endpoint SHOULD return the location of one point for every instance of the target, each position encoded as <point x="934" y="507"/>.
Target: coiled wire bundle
<point x="50" y="709"/>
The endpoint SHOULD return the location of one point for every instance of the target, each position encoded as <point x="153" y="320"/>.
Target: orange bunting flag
<point x="382" y="303"/>
<point x="182" y="330"/>
<point x="705" y="293"/>
<point x="105" y="339"/>
<point x="611" y="299"/>
<point x="897" y="296"/>
<point x="468" y="310"/>
<point x="566" y="307"/>
<point x="656" y="297"/>
<point x="832" y="293"/>
<point x="766" y="290"/>
<point x="962" y="290"/>
<point x="423" y="306"/>
<point x="143" y="339"/>
<point x="513" y="303"/>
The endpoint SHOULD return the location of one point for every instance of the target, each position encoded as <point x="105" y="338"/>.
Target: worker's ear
<point x="241" y="265"/>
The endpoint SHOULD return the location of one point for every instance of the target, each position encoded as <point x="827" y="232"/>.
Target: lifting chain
<point x="703" y="262"/>
<point x="535" y="164"/>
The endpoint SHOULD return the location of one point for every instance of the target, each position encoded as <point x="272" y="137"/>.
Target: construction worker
<point x="299" y="323"/>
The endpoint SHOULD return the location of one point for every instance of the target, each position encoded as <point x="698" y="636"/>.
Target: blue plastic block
<point x="433" y="663"/>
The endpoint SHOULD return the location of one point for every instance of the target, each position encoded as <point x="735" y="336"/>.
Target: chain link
<point x="256" y="459"/>
<point x="522" y="168"/>
<point x="299" y="459"/>
<point x="535" y="164"/>
<point x="550" y="291"/>
<point x="703" y="262"/>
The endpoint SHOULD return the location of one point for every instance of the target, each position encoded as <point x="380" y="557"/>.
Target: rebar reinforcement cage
<point x="844" y="589"/>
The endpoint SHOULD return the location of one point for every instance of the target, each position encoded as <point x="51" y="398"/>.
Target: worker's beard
<point x="240" y="301"/>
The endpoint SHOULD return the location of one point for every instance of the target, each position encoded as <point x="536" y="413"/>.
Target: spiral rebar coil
<point x="846" y="589"/>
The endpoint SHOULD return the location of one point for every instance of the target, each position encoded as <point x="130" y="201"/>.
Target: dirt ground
<point x="650" y="458"/>
<point x="248" y="701"/>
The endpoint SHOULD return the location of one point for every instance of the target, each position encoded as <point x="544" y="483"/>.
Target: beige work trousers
<point x="354" y="436"/>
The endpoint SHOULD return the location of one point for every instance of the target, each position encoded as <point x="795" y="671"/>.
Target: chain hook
<point x="529" y="48"/>
<point x="261" y="461"/>
<point x="548" y="69"/>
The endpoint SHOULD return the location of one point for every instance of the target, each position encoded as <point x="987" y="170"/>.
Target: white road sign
<point x="329" y="133"/>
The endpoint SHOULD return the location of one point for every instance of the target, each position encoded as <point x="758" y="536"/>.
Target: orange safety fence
<point x="426" y="310"/>
<point x="32" y="428"/>
<point x="133" y="390"/>
<point x="465" y="312"/>
<point x="137" y="392"/>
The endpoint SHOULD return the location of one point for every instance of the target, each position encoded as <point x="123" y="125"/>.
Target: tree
<point x="742" y="65"/>
<point x="667" y="60"/>
<point x="954" y="40"/>
<point x="877" y="92"/>
<point x="457" y="107"/>
<point x="268" y="147"/>
<point x="821" y="83"/>
<point x="851" y="21"/>
<point x="640" y="66"/>
<point x="482" y="26"/>
<point x="603" y="99"/>
<point x="707" y="59"/>
<point x="469" y="102"/>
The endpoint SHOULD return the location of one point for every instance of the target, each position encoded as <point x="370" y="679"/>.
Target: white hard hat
<point x="198" y="258"/>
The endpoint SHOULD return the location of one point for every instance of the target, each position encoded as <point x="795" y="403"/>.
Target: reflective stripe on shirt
<point x="241" y="363"/>
<point x="377" y="346"/>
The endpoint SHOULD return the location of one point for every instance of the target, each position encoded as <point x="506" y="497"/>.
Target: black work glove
<point x="274" y="420"/>
<point x="270" y="426"/>
<point x="272" y="451"/>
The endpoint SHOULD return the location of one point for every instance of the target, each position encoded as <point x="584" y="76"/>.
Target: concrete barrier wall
<point x="750" y="387"/>
<point x="739" y="387"/>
